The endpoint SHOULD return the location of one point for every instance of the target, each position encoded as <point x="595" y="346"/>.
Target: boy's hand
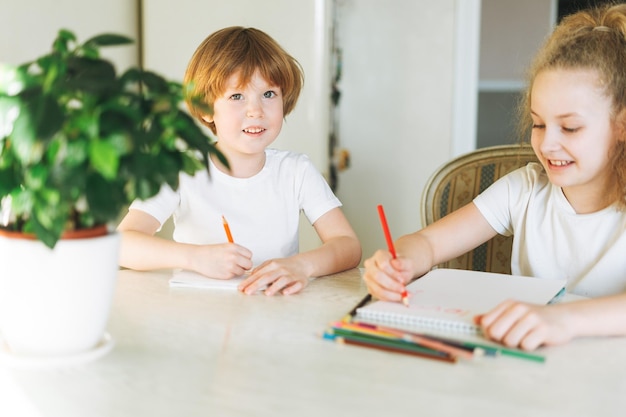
<point x="278" y="275"/>
<point x="221" y="261"/>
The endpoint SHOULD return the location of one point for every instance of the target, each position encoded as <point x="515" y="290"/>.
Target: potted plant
<point x="78" y="143"/>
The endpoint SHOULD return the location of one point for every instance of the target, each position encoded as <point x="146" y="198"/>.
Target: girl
<point x="250" y="83"/>
<point x="567" y="215"/>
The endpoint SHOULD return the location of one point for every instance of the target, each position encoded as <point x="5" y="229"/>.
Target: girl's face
<point x="572" y="134"/>
<point x="247" y="118"/>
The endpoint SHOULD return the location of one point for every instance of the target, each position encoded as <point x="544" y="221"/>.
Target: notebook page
<point x="448" y="299"/>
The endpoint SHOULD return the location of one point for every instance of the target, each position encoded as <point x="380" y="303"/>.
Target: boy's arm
<point x="143" y="251"/>
<point x="340" y="248"/>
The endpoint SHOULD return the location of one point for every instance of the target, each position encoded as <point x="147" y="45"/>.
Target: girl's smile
<point x="572" y="134"/>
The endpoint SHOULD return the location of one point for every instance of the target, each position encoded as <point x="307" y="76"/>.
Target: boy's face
<point x="247" y="118"/>
<point x="572" y="131"/>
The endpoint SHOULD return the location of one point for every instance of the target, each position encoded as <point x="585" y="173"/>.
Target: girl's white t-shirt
<point x="263" y="211"/>
<point x="550" y="240"/>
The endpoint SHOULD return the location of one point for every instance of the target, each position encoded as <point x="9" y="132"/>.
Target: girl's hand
<point x="386" y="277"/>
<point x="221" y="261"/>
<point x="278" y="275"/>
<point x="526" y="326"/>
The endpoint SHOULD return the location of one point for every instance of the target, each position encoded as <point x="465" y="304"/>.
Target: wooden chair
<point x="457" y="182"/>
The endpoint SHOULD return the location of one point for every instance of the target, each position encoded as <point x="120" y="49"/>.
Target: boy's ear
<point x="207" y="118"/>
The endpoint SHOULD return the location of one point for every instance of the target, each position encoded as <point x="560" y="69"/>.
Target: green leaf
<point x="11" y="80"/>
<point x="35" y="177"/>
<point x="109" y="39"/>
<point x="91" y="75"/>
<point x="103" y="198"/>
<point x="104" y="157"/>
<point x="9" y="111"/>
<point x="155" y="83"/>
<point x="76" y="153"/>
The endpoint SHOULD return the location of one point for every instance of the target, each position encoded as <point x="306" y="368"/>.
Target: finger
<point x="534" y="339"/>
<point x="295" y="287"/>
<point x="489" y="317"/>
<point x="521" y="329"/>
<point x="378" y="278"/>
<point x="252" y="284"/>
<point x="509" y="317"/>
<point x="382" y="293"/>
<point x="276" y="285"/>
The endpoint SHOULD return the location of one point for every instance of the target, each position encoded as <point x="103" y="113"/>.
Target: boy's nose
<point x="254" y="109"/>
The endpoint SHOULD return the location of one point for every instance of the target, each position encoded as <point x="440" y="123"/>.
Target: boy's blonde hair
<point x="593" y="39"/>
<point x="240" y="50"/>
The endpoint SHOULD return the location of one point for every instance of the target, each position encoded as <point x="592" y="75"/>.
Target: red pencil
<point x="392" y="250"/>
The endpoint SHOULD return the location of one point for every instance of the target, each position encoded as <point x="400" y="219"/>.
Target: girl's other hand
<point x="526" y="326"/>
<point x="385" y="277"/>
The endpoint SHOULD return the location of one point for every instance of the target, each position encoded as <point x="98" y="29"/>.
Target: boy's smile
<point x="248" y="118"/>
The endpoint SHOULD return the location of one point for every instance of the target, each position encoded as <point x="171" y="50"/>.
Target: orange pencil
<point x="227" y="230"/>
<point x="383" y="222"/>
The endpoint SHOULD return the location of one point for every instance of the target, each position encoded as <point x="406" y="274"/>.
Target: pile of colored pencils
<point x="417" y="344"/>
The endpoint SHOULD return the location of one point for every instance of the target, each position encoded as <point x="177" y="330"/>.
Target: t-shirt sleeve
<point x="161" y="206"/>
<point x="496" y="202"/>
<point x="315" y="196"/>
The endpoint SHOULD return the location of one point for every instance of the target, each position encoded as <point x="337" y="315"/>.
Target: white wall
<point x="396" y="108"/>
<point x="28" y="27"/>
<point x="397" y="104"/>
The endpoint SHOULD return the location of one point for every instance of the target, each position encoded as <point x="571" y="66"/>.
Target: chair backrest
<point x="457" y="182"/>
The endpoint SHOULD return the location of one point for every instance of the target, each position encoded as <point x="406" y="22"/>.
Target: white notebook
<point x="446" y="300"/>
<point x="188" y="279"/>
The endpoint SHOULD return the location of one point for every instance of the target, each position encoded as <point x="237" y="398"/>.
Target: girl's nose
<point x="551" y="139"/>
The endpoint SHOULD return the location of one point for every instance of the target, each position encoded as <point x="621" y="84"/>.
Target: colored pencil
<point x="417" y="339"/>
<point x="392" y="249"/>
<point x="227" y="230"/>
<point x="383" y="222"/>
<point x="388" y="345"/>
<point x="348" y="317"/>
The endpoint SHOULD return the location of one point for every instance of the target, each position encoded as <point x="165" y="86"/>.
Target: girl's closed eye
<point x="538" y="126"/>
<point x="570" y="129"/>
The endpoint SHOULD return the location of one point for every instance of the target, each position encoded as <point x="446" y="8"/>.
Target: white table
<point x="183" y="352"/>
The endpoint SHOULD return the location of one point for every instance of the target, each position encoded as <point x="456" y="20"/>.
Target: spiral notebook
<point x="446" y="300"/>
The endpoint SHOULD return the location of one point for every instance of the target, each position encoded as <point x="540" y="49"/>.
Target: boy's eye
<point x="236" y="96"/>
<point x="269" y="94"/>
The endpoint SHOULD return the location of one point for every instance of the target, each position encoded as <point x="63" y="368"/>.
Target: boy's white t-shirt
<point x="550" y="240"/>
<point x="263" y="211"/>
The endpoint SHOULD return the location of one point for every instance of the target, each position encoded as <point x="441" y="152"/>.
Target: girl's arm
<point x="447" y="238"/>
<point x="143" y="251"/>
<point x="529" y="326"/>
<point x="340" y="250"/>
